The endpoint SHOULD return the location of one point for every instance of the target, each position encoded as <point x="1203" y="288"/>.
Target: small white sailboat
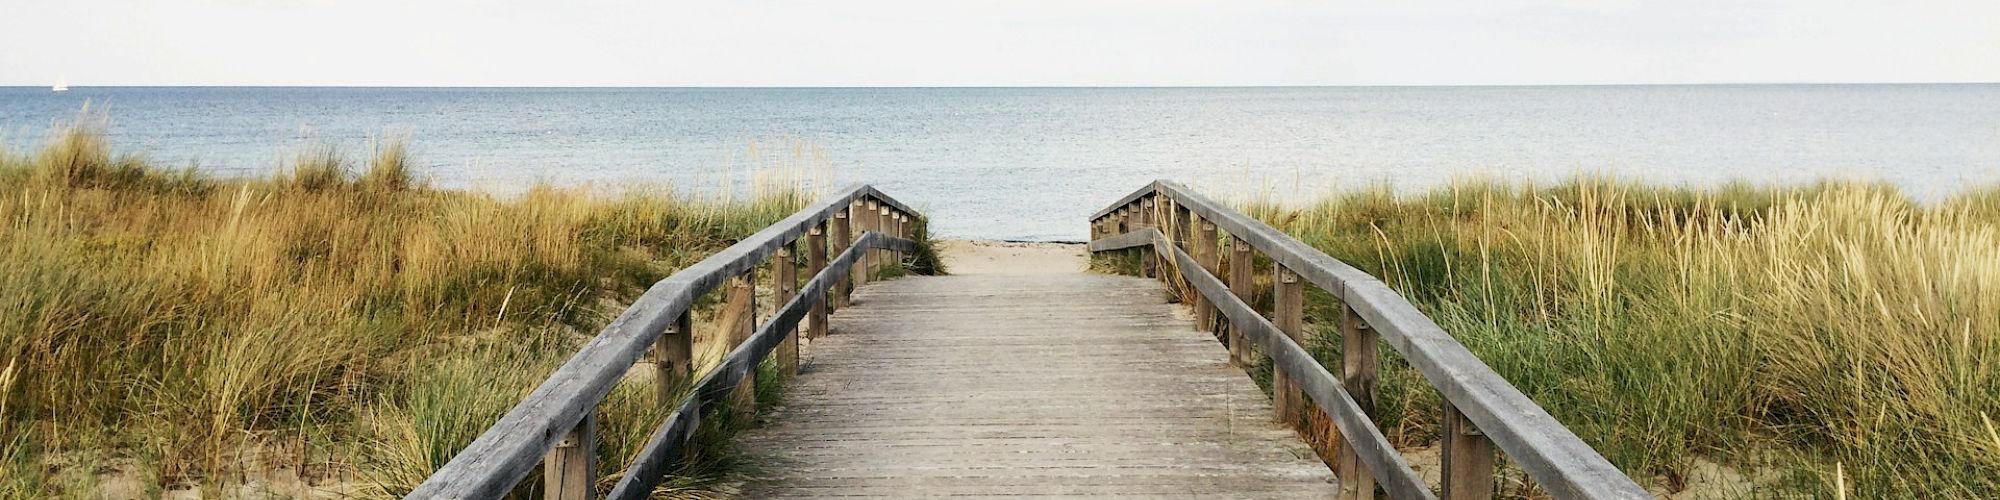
<point x="62" y="85"/>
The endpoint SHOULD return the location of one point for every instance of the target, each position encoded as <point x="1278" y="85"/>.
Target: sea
<point x="1033" y="163"/>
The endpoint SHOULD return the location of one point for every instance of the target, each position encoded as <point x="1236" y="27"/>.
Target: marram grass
<point x="1824" y="339"/>
<point x="336" y="326"/>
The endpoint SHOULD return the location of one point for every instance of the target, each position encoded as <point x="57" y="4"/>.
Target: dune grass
<point x="1817" y="340"/>
<point x="336" y="326"/>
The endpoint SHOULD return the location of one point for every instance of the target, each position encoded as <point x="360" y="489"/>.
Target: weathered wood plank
<point x="1123" y="241"/>
<point x="740" y="316"/>
<point x="843" y="237"/>
<point x="1042" y="385"/>
<point x="1289" y="310"/>
<point x="816" y="262"/>
<point x="1204" y="250"/>
<point x="785" y="271"/>
<point x="570" y="470"/>
<point x="1359" y="355"/>
<point x="1468" y="459"/>
<point x="1242" y="284"/>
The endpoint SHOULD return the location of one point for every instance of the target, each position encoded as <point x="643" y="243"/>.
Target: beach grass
<point x="1743" y="341"/>
<point x="338" y="327"/>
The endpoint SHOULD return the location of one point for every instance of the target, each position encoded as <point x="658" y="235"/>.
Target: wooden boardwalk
<point x="1063" y="383"/>
<point x="1059" y="384"/>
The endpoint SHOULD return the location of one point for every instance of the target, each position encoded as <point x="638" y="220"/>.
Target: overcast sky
<point x="1010" y="42"/>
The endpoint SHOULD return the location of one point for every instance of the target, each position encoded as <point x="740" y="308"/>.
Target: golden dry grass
<point x="1834" y="337"/>
<point x="162" y="330"/>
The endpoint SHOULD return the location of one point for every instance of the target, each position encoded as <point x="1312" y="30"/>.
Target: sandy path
<point x="1006" y="257"/>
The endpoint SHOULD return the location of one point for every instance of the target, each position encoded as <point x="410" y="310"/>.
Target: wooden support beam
<point x="865" y="220"/>
<point x="742" y="304"/>
<point x="1357" y="375"/>
<point x="1468" y="459"/>
<point x="786" y="285"/>
<point x="673" y="359"/>
<point x="1242" y="283"/>
<point x="1179" y="236"/>
<point x="1288" y="313"/>
<point x="886" y="224"/>
<point x="843" y="237"/>
<point x="1205" y="252"/>
<point x="569" y="471"/>
<point x="1149" y="262"/>
<point x="816" y="262"/>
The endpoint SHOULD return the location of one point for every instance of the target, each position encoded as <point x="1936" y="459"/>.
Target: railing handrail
<point x="492" y="464"/>
<point x="1554" y="456"/>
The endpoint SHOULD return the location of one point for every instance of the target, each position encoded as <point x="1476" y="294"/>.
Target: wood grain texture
<point x="569" y="472"/>
<point x="1041" y="385"/>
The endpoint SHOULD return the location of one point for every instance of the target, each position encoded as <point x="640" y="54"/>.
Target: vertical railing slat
<point x="569" y="471"/>
<point x="1289" y="315"/>
<point x="843" y="237"/>
<point x="816" y="262"/>
<point x="1468" y="458"/>
<point x="743" y="300"/>
<point x="786" y="275"/>
<point x="1357" y="375"/>
<point x="1204" y="252"/>
<point x="1242" y="277"/>
<point x="673" y="359"/>
<point x="1148" y="262"/>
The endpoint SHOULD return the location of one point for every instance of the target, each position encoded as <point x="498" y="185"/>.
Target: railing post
<point x="1178" y="219"/>
<point x="1357" y="374"/>
<point x="887" y="226"/>
<point x="1468" y="458"/>
<point x="864" y="221"/>
<point x="743" y="304"/>
<point x="815" y="263"/>
<point x="673" y="358"/>
<point x="787" y="286"/>
<point x="1288" y="310"/>
<point x="1148" y="262"/>
<point x="843" y="237"/>
<point x="1204" y="252"/>
<point x="1242" y="277"/>
<point x="907" y="228"/>
<point x="569" y="471"/>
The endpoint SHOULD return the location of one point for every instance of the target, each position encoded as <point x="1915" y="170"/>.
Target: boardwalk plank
<point x="1026" y="385"/>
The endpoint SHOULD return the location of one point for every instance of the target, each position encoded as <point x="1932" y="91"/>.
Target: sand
<point x="976" y="257"/>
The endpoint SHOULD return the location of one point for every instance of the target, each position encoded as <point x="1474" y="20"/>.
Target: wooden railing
<point x="555" y="425"/>
<point x="1481" y="410"/>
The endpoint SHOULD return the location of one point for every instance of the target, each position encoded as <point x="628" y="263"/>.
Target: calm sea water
<point x="1032" y="163"/>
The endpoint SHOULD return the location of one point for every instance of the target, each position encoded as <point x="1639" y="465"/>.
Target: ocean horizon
<point x="1030" y="163"/>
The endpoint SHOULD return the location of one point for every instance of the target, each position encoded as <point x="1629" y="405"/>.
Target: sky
<point x="994" y="43"/>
